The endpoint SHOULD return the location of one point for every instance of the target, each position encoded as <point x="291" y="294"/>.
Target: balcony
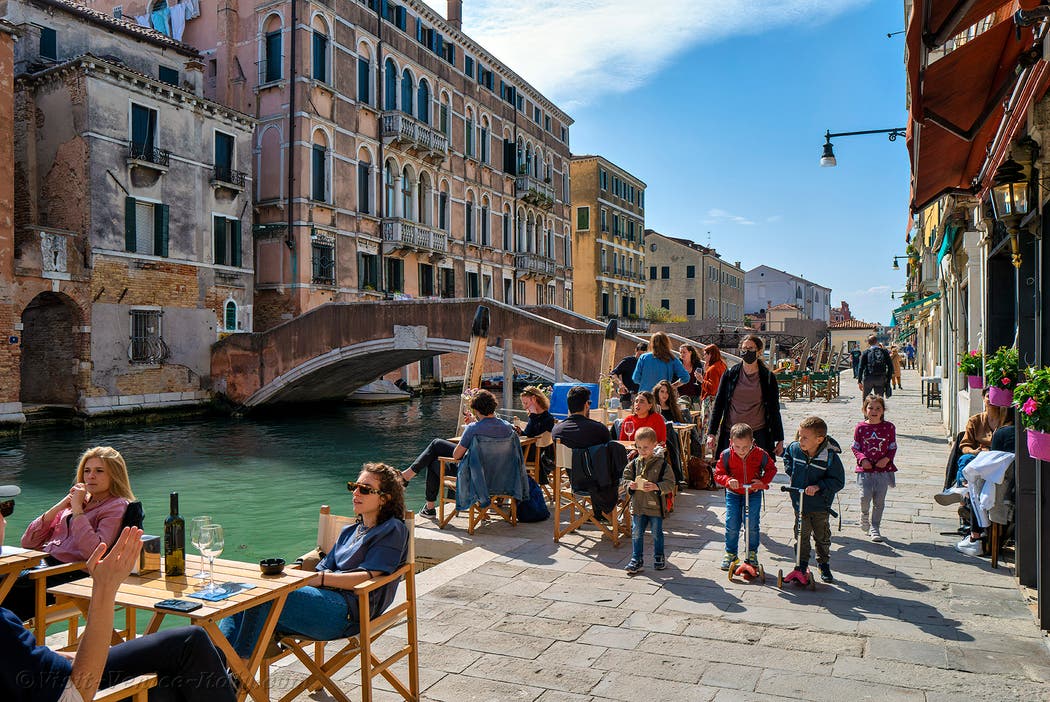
<point x="402" y="234"/>
<point x="534" y="191"/>
<point x="535" y="265"/>
<point x="226" y="177"/>
<point x="404" y="132"/>
<point x="148" y="156"/>
<point x="628" y="324"/>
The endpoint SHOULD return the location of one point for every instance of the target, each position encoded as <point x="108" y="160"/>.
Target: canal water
<point x="263" y="479"/>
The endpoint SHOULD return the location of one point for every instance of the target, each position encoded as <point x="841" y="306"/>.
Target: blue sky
<point x="720" y="106"/>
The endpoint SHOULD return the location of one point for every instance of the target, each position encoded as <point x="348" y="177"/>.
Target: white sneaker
<point x="969" y="547"/>
<point x="865" y="525"/>
<point x="875" y="536"/>
<point x="951" y="495"/>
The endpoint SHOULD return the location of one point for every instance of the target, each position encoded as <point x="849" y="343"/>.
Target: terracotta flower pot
<point x="1000" y="397"/>
<point x="1039" y="445"/>
<point x="976" y="381"/>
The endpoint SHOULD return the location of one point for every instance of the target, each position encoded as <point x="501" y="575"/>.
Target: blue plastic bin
<point x="559" y="407"/>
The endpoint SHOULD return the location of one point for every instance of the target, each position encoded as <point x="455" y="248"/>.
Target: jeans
<point x="428" y="460"/>
<point x="876" y="384"/>
<point x="317" y="613"/>
<point x="188" y="666"/>
<point x="638" y="524"/>
<point x="735" y="520"/>
<point x="964" y="460"/>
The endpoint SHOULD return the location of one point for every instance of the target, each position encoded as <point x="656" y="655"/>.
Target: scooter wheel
<point x="780" y="579"/>
<point x="812" y="581"/>
<point x="762" y="574"/>
<point x="732" y="570"/>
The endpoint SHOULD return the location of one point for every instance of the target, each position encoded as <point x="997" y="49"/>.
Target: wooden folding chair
<point x="136" y="690"/>
<point x="505" y="506"/>
<point x="533" y="466"/>
<point x="321" y="670"/>
<point x="580" y="507"/>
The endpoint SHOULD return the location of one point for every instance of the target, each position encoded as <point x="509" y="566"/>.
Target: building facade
<point x="394" y="155"/>
<point x="841" y="313"/>
<point x="10" y="354"/>
<point x="693" y="282"/>
<point x="608" y="230"/>
<point x="850" y="334"/>
<point x="132" y="224"/>
<point x="766" y="287"/>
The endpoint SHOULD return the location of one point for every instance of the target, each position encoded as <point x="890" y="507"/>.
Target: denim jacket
<point x="491" y="467"/>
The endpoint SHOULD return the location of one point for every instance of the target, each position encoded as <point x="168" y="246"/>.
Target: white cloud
<point x="717" y="216"/>
<point x="575" y="50"/>
<point x="878" y="290"/>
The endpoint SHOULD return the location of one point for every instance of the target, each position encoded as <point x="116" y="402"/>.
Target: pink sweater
<point x="875" y="442"/>
<point x="70" y="540"/>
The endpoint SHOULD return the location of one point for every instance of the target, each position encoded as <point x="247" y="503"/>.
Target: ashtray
<point x="271" y="566"/>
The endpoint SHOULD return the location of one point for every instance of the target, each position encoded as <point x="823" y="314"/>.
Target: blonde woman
<point x="90" y="514"/>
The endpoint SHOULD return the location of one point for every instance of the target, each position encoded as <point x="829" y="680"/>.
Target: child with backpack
<point x="742" y="464"/>
<point x="875" y="446"/>
<point x="650" y="482"/>
<point x="813" y="463"/>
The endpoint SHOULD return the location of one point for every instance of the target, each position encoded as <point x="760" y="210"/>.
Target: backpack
<point x="535" y="508"/>
<point x="699" y="475"/>
<point x="878" y="362"/>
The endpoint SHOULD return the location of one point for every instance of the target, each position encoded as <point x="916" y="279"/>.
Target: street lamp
<point x="827" y="160"/>
<point x="896" y="266"/>
<point x="895" y="293"/>
<point x="1010" y="202"/>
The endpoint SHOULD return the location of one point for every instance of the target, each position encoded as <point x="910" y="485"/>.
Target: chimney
<point x="455" y="14"/>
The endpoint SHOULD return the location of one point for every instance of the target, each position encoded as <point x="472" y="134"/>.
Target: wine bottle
<point x="174" y="540"/>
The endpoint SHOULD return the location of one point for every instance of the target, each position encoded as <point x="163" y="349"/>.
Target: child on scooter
<point x="875" y="446"/>
<point x="648" y="478"/>
<point x="813" y="463"/>
<point x="743" y="464"/>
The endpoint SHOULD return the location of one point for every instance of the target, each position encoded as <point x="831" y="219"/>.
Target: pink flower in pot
<point x="1005" y="381"/>
<point x="973" y="353"/>
<point x="1030" y="406"/>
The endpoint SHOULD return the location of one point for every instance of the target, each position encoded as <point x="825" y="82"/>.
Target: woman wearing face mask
<point x="747" y="393"/>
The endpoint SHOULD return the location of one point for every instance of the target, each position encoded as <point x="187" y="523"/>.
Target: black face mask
<point x="749" y="356"/>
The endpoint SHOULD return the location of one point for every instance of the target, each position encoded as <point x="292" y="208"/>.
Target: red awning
<point x="947" y="18"/>
<point x="957" y="103"/>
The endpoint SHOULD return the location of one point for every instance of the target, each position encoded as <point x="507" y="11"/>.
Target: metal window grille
<point x="147" y="344"/>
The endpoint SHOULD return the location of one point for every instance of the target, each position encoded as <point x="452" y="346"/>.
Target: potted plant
<point x="1001" y="370"/>
<point x="1032" y="400"/>
<point x="971" y="365"/>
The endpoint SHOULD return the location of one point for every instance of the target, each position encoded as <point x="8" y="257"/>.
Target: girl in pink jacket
<point x="875" y="446"/>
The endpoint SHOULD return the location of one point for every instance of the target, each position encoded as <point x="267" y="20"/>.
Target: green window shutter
<point x="160" y="230"/>
<point x="218" y="231"/>
<point x="235" y="242"/>
<point x="129" y="224"/>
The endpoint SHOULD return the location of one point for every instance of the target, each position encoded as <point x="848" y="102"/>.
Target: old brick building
<point x="419" y="164"/>
<point x="131" y="215"/>
<point x="10" y="407"/>
<point x="609" y="206"/>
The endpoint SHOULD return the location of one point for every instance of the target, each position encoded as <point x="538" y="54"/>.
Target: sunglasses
<point x="362" y="488"/>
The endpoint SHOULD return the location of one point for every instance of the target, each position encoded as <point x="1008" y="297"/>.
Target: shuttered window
<point x="145" y="227"/>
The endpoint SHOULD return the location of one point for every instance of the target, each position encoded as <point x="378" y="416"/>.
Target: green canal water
<point x="263" y="479"/>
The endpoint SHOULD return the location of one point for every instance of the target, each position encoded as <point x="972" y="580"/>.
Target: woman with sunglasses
<point x="375" y="545"/>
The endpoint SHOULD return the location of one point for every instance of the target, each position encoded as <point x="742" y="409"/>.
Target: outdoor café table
<point x="13" y="561"/>
<point x="685" y="440"/>
<point x="144" y="591"/>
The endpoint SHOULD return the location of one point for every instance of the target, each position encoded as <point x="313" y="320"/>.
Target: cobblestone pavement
<point x="524" y="618"/>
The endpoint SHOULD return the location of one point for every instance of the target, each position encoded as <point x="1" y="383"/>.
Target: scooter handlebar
<point x="788" y="488"/>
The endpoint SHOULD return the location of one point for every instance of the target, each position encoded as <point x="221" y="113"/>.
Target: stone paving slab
<point x="910" y="619"/>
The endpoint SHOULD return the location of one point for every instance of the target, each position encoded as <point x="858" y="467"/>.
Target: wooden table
<point x="144" y="591"/>
<point x="12" y="562"/>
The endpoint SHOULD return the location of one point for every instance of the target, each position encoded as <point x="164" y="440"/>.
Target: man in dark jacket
<point x="624" y="372"/>
<point x="816" y="470"/>
<point x="875" y="369"/>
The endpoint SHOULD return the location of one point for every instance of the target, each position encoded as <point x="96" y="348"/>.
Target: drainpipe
<point x="292" y="46"/>
<point x="381" y="166"/>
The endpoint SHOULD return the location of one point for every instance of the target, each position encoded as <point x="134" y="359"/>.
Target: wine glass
<point x="195" y="536"/>
<point x="212" y="542"/>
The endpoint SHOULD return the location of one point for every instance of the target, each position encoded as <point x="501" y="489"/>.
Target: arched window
<point x="445" y="118"/>
<point x="408" y="203"/>
<point x="229" y="319"/>
<point x="469" y="133"/>
<point x="537" y="163"/>
<point x="469" y="218"/>
<point x="390" y="85"/>
<point x="364" y="74"/>
<point x="319" y="167"/>
<point x="272" y="60"/>
<point x="319" y="65"/>
<point x="520" y="226"/>
<point x="530" y="234"/>
<point x="485" y="241"/>
<point x="407" y="88"/>
<point x="423" y="102"/>
<point x="508" y="243"/>
<point x="528" y="159"/>
<point x="483" y="137"/>
<point x="390" y="197"/>
<point x="443" y="218"/>
<point x="424" y="199"/>
<point x="364" y="181"/>
<point x="521" y="157"/>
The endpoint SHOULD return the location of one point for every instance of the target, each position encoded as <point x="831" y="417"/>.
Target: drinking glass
<point x="195" y="537"/>
<point x="212" y="542"/>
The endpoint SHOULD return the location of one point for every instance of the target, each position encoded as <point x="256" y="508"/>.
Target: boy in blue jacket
<point x="813" y="463"/>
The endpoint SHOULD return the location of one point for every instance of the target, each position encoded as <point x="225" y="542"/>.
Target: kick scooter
<point x="743" y="569"/>
<point x="802" y="578"/>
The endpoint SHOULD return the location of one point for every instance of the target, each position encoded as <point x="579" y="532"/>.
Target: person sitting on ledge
<point x="483" y="405"/>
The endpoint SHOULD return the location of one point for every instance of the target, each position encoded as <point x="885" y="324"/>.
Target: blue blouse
<point x="381" y="549"/>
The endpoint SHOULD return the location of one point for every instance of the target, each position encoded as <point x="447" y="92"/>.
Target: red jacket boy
<point x="756" y="466"/>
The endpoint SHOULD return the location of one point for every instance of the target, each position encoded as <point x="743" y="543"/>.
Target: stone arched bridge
<point x="336" y="348"/>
